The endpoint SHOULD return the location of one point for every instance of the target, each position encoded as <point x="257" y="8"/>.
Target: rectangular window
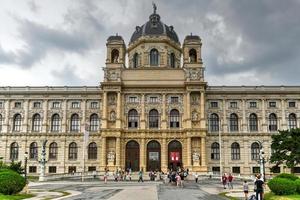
<point x="292" y="104"/>
<point x="255" y="170"/>
<point x="174" y="99"/>
<point x="253" y="104"/>
<point x="75" y="104"/>
<point x="233" y="104"/>
<point x="236" y="170"/>
<point x="272" y="104"/>
<point x="36" y="104"/>
<point x="215" y="169"/>
<point x="52" y="169"/>
<point x="18" y="104"/>
<point x="1" y="104"/>
<point x="275" y="169"/>
<point x="133" y="100"/>
<point x="153" y="99"/>
<point x="32" y="169"/>
<point x="92" y="168"/>
<point x="56" y="104"/>
<point x="94" y="104"/>
<point x="296" y="170"/>
<point x="72" y="169"/>
<point x="213" y="104"/>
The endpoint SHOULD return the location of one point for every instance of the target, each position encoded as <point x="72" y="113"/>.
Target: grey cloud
<point x="67" y="75"/>
<point x="6" y="57"/>
<point x="33" y="6"/>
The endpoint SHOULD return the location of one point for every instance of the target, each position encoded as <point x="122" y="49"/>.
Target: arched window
<point x="92" y="151"/>
<point x="94" y="122"/>
<point x="36" y="122"/>
<point x="114" y="56"/>
<point x="75" y="123"/>
<point x="14" y="151"/>
<point x="135" y="61"/>
<point x="174" y="118"/>
<point x="235" y="151"/>
<point x="33" y="151"/>
<point x="133" y="118"/>
<point x="1" y="122"/>
<point x="172" y="60"/>
<point x="153" y="118"/>
<point x="73" y="151"/>
<point x="253" y="125"/>
<point x="53" y="150"/>
<point x="55" y="123"/>
<point x="215" y="151"/>
<point x="214" y="122"/>
<point x="193" y="56"/>
<point x="17" y="122"/>
<point x="255" y="151"/>
<point x="272" y="122"/>
<point x="292" y="121"/>
<point x="234" y="122"/>
<point x="154" y="57"/>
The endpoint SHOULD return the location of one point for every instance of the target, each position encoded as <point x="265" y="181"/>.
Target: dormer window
<point x="193" y="56"/>
<point x="115" y="56"/>
<point x="154" y="57"/>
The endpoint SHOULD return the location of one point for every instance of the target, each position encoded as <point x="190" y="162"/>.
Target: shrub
<point x="288" y="176"/>
<point x="11" y="182"/>
<point x="297" y="183"/>
<point x="282" y="186"/>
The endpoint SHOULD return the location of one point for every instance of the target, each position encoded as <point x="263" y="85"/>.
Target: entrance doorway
<point x="175" y="155"/>
<point x="153" y="156"/>
<point x="132" y="156"/>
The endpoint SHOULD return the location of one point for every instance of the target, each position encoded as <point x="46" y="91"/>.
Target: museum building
<point x="154" y="112"/>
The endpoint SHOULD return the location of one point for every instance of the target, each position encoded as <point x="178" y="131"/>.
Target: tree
<point x="286" y="148"/>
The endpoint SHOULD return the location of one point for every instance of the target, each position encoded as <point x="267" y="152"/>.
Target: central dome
<point x="154" y="27"/>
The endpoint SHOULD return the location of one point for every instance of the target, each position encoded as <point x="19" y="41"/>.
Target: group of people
<point x="119" y="175"/>
<point x="227" y="180"/>
<point x="258" y="188"/>
<point x="177" y="176"/>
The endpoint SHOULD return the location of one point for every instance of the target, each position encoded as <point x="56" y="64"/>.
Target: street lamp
<point x="25" y="166"/>
<point x="261" y="160"/>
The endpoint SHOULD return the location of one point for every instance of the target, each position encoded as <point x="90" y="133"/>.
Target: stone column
<point x="244" y="123"/>
<point x="143" y="155"/>
<point x="45" y="117"/>
<point x="64" y="119"/>
<point x="189" y="152"/>
<point x="25" y="121"/>
<point x="164" y="118"/>
<point x="283" y="120"/>
<point x="118" y="152"/>
<point x="6" y="120"/>
<point x="104" y="110"/>
<point x="202" y="109"/>
<point x="142" y="117"/>
<point x="203" y="152"/>
<point x="263" y="110"/>
<point x="164" y="155"/>
<point x="103" y="153"/>
<point x="119" y="102"/>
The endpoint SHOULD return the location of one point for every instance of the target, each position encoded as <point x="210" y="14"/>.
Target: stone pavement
<point x="206" y="189"/>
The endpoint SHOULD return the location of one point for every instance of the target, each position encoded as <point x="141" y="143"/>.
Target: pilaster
<point x="189" y="152"/>
<point x="203" y="152"/>
<point x="6" y="120"/>
<point x="104" y="110"/>
<point x="103" y="153"/>
<point x="25" y="121"/>
<point x="142" y="155"/>
<point x="164" y="155"/>
<point x="118" y="152"/>
<point x="119" y="104"/>
<point x="143" y="122"/>
<point x="45" y="117"/>
<point x="164" y="119"/>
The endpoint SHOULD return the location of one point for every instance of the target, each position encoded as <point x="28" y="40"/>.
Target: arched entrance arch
<point x="174" y="154"/>
<point x="132" y="155"/>
<point x="153" y="156"/>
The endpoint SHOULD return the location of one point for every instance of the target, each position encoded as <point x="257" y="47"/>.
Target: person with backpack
<point x="259" y="187"/>
<point x="224" y="180"/>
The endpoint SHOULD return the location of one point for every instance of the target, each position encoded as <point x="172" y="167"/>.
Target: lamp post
<point x="43" y="161"/>
<point x="85" y="141"/>
<point x="25" y="165"/>
<point x="261" y="160"/>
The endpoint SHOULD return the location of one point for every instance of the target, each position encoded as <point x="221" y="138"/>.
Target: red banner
<point x="174" y="157"/>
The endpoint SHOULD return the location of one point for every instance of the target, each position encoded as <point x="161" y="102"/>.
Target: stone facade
<point x="154" y="114"/>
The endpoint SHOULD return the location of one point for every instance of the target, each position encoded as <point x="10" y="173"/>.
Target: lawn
<point x="271" y="196"/>
<point x="15" y="197"/>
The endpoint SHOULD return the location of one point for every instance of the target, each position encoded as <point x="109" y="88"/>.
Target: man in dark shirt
<point x="259" y="185"/>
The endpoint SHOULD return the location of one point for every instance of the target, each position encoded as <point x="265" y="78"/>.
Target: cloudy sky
<point x="62" y="42"/>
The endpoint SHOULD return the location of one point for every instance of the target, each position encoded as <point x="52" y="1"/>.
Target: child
<point x="178" y="180"/>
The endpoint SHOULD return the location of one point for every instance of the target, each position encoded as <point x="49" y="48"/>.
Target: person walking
<point x="246" y="189"/>
<point x="196" y="177"/>
<point x="178" y="180"/>
<point x="105" y="176"/>
<point x="230" y="178"/>
<point x="259" y="185"/>
<point x="224" y="180"/>
<point x="140" y="176"/>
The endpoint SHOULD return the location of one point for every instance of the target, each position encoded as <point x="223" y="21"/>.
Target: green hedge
<point x="11" y="182"/>
<point x="288" y="176"/>
<point x="282" y="186"/>
<point x="297" y="183"/>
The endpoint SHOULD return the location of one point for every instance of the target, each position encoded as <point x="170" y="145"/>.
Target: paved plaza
<point x="92" y="190"/>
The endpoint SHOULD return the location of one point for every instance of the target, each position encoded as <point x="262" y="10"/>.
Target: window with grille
<point x="214" y="104"/>
<point x="75" y="123"/>
<point x="174" y="118"/>
<point x="73" y="151"/>
<point x="255" y="151"/>
<point x="94" y="122"/>
<point x="55" y="123"/>
<point x="272" y="104"/>
<point x="154" y="57"/>
<point x="253" y="104"/>
<point x="214" y="122"/>
<point x="56" y="104"/>
<point x="36" y="123"/>
<point x="272" y="122"/>
<point x="14" y="151"/>
<point x="235" y="151"/>
<point x="292" y="121"/>
<point x="236" y="170"/>
<point x="174" y="99"/>
<point x="17" y="122"/>
<point x="153" y="99"/>
<point x="32" y="169"/>
<point x="133" y="118"/>
<point x="94" y="104"/>
<point x="75" y="104"/>
<point x="53" y="151"/>
<point x="215" y="151"/>
<point x="153" y="118"/>
<point x="233" y="122"/>
<point x="233" y="104"/>
<point x="253" y="125"/>
<point x="33" y="151"/>
<point x="52" y="169"/>
<point x="36" y="104"/>
<point x="92" y="151"/>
